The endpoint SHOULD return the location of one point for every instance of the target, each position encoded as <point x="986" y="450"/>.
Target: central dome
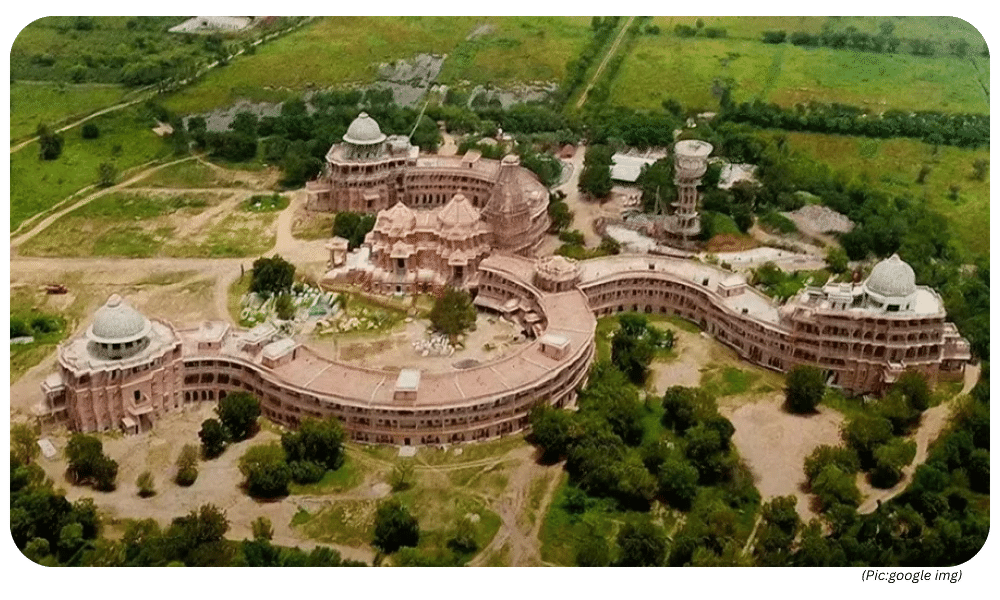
<point x="116" y="323"/>
<point x="891" y="278"/>
<point x="364" y="131"/>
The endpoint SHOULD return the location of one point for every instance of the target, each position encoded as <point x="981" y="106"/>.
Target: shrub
<point x="90" y="131"/>
<point x="395" y="527"/>
<point x="304" y="471"/>
<point x="804" y="388"/>
<point x="453" y="312"/>
<point x="146" y="484"/>
<point x="187" y="465"/>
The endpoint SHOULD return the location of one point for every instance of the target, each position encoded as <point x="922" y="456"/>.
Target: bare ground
<point x="775" y="444"/>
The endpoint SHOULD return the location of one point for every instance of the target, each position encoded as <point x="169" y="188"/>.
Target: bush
<point x="187" y="466"/>
<point x="774" y="37"/>
<point x="238" y="413"/>
<point x="844" y="459"/>
<point x="305" y="471"/>
<point x="90" y="131"/>
<point x="146" y="484"/>
<point x="271" y="275"/>
<point x="266" y="473"/>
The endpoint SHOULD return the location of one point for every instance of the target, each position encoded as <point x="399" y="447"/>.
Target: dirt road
<point x="607" y="57"/>
<point x="932" y="423"/>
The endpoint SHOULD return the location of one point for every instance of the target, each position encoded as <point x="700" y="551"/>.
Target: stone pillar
<point x="690" y="164"/>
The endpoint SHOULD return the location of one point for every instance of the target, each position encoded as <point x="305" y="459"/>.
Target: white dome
<point x="891" y="278"/>
<point x="364" y="131"/>
<point x="116" y="322"/>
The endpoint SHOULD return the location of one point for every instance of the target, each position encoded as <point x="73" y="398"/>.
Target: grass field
<point x="517" y="49"/>
<point x="142" y="226"/>
<point x="940" y="29"/>
<point x="37" y="185"/>
<point x="666" y="66"/>
<point x="188" y="174"/>
<point x="341" y="50"/>
<point x="32" y="103"/>
<point x="893" y="165"/>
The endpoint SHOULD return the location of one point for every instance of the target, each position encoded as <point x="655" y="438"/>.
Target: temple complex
<point x="476" y="224"/>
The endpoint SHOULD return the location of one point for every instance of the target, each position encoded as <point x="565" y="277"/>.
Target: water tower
<point x="690" y="163"/>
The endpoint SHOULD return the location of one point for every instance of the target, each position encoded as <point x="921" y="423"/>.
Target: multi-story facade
<point x="126" y="370"/>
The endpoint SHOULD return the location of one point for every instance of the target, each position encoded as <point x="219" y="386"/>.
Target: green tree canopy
<point x="266" y="473"/>
<point x="213" y="438"/>
<point x="804" y="389"/>
<point x="395" y="527"/>
<point x="641" y="543"/>
<point x="316" y="441"/>
<point x="453" y="312"/>
<point x="238" y="413"/>
<point x="271" y="275"/>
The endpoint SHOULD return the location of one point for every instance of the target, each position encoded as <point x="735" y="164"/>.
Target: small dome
<point x="116" y="322"/>
<point x="364" y="131"/>
<point x="891" y="278"/>
<point x="459" y="212"/>
<point x="398" y="218"/>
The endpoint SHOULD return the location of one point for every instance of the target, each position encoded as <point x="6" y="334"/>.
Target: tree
<point x="23" y="442"/>
<point x="632" y="354"/>
<point x="551" y="429"/>
<point x="401" y="477"/>
<point x="187" y="464"/>
<point x="271" y="275"/>
<point x="353" y="227"/>
<point x="50" y="144"/>
<point x="105" y="473"/>
<point x="890" y="458"/>
<point x="316" y="441"/>
<point x="107" y="174"/>
<point x="395" y="527"/>
<point x="836" y="260"/>
<point x="833" y="486"/>
<point x="641" y="544"/>
<point x="90" y="131"/>
<point x="978" y="469"/>
<point x="913" y="386"/>
<point x="146" y="484"/>
<point x="865" y="432"/>
<point x="844" y="458"/>
<point x="213" y="438"/>
<point x="804" y="388"/>
<point x="453" y="312"/>
<point x="238" y="413"/>
<point x="678" y="482"/>
<point x="266" y="473"/>
<point x="285" y="307"/>
<point x="83" y="454"/>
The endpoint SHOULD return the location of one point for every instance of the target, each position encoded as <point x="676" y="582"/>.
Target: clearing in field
<point x="150" y="223"/>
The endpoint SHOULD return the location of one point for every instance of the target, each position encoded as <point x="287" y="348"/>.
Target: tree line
<point x="883" y="42"/>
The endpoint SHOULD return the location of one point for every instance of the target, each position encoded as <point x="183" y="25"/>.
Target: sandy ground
<point x="775" y="444"/>
<point x="395" y="350"/>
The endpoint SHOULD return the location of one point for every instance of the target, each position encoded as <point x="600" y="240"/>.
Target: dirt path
<point x="932" y="423"/>
<point x="607" y="57"/>
<point x="448" y="145"/>
<point x="103" y="111"/>
<point x="521" y="541"/>
<point x="15" y="242"/>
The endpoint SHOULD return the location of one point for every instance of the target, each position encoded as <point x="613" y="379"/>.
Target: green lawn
<point x="893" y="165"/>
<point x="42" y="102"/>
<point x="349" y="475"/>
<point x="686" y="69"/>
<point x="37" y="185"/>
